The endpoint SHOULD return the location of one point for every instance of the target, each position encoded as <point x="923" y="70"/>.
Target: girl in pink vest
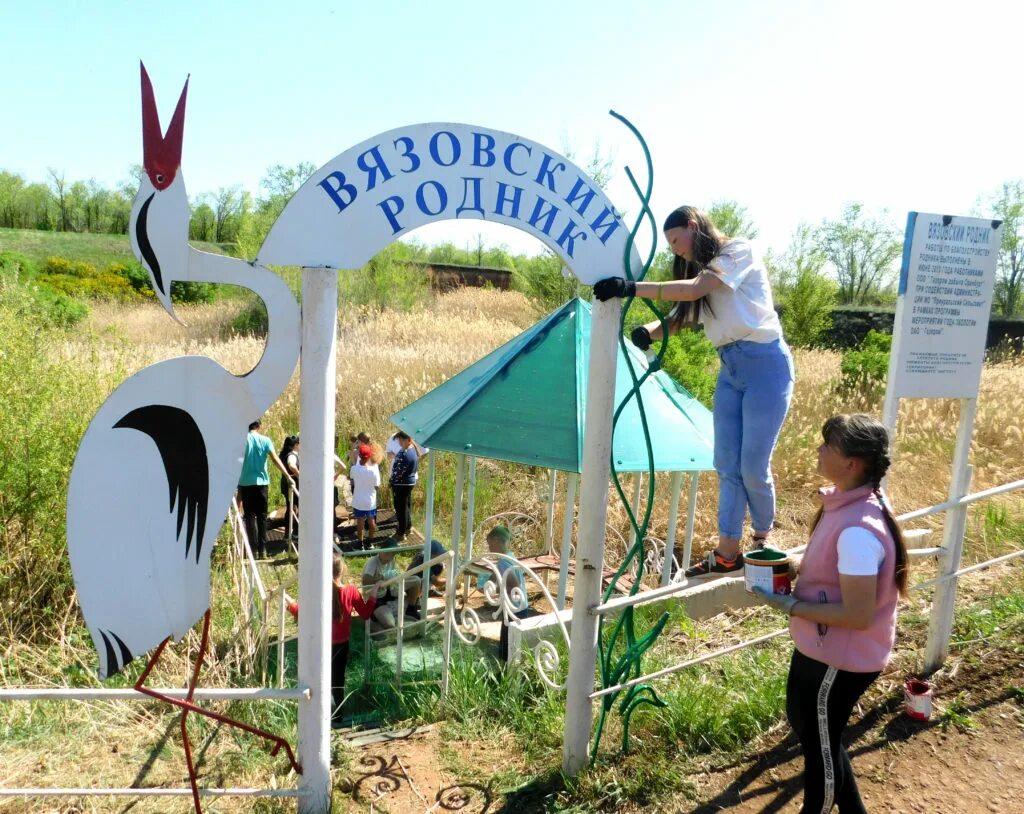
<point x="843" y="608"/>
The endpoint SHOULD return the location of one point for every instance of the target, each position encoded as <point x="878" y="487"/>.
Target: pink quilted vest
<point x="856" y="651"/>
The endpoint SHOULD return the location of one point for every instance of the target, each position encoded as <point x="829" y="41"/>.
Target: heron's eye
<point x="159" y="179"/>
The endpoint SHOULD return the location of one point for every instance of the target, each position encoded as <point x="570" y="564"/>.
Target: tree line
<point x="850" y="260"/>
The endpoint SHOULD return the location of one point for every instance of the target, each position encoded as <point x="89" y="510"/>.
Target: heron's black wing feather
<point x="183" y="451"/>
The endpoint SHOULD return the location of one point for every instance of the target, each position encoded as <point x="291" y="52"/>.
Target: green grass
<point x="957" y="714"/>
<point x="99" y="250"/>
<point x="998" y="619"/>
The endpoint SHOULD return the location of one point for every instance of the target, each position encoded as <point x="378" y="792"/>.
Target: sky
<point x="791" y="108"/>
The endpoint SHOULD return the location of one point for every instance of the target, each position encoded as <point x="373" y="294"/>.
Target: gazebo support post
<point x="691" y="513"/>
<point x="549" y="531"/>
<point x="428" y="533"/>
<point x="569" y="516"/>
<point x="460" y="477"/>
<point x="673" y="522"/>
<point x="579" y="711"/>
<point x="470" y="507"/>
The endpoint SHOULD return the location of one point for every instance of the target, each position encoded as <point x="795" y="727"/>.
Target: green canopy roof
<point x="526" y="402"/>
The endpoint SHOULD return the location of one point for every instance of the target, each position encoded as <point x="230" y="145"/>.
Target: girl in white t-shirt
<point x="722" y="283"/>
<point x="365" y="477"/>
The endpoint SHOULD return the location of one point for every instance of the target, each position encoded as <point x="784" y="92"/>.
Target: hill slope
<point x="99" y="250"/>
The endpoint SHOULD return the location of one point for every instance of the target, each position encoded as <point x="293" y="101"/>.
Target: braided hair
<point x="861" y="436"/>
<point x="707" y="243"/>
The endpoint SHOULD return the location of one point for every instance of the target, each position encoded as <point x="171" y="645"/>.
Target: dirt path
<point x="903" y="766"/>
<point x="971" y="761"/>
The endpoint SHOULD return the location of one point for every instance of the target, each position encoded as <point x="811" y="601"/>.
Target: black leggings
<point x="819" y="700"/>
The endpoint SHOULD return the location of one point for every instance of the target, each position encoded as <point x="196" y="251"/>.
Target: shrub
<point x="47" y="401"/>
<point x="78" y="279"/>
<point x="193" y="292"/>
<point x="692" y="361"/>
<point x="864" y="369"/>
<point x="16" y="267"/>
<point x="807" y="314"/>
<point x="541" y="278"/>
<point x="690" y="358"/>
<point x="69" y="268"/>
<point x="136" y="275"/>
<point x="252" y="320"/>
<point x="41" y="304"/>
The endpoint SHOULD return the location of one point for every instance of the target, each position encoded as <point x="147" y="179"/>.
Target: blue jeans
<point x="755" y="386"/>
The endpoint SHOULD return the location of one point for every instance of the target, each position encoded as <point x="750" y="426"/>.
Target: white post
<point x="318" y="358"/>
<point x="280" y="639"/>
<point x="673" y="522"/>
<point x="460" y="485"/>
<point x="446" y="623"/>
<point x="400" y="631"/>
<point x="428" y="533"/>
<point x="291" y="514"/>
<point x="549" y="531"/>
<point x="460" y="477"/>
<point x="570" y="515"/>
<point x="940" y="625"/>
<point x="597" y="447"/>
<point x="691" y="514"/>
<point x="638" y="487"/>
<point x="470" y="507"/>
<point x="428" y="520"/>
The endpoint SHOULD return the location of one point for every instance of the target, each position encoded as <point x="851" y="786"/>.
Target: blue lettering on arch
<point x="407" y="145"/>
<point x="372" y="168"/>
<point x="392" y="207"/>
<point x="483" y="150"/>
<point x="421" y="199"/>
<point x="453" y="141"/>
<point x="546" y="173"/>
<point x="335" y="192"/>
<point x="508" y="155"/>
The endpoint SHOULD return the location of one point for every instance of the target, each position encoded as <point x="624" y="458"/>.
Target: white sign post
<point x="938" y="347"/>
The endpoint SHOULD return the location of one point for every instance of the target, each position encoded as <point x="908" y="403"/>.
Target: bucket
<point x="918" y="695"/>
<point x="768" y="570"/>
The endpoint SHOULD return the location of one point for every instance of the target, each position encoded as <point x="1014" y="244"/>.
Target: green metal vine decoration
<point x="620" y="649"/>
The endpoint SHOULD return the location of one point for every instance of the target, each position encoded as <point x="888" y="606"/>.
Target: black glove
<point x="610" y="287"/>
<point x="641" y="337"/>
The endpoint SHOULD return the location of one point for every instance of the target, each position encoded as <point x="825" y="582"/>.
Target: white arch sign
<point x="373" y="193"/>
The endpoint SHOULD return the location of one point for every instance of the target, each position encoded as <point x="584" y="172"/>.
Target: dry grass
<point x="388" y="359"/>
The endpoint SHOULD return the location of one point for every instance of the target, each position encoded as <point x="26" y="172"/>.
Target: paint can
<point x="768" y="570"/>
<point x="918" y="695"/>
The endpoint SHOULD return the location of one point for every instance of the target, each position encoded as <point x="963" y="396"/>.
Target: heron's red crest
<point x="161" y="155"/>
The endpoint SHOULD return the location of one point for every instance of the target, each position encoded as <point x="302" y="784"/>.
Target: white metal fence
<point x="947" y="577"/>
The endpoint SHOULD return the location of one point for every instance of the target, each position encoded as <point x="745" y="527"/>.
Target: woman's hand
<point x="781" y="602"/>
<point x="610" y="287"/>
<point x="641" y="337"/>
